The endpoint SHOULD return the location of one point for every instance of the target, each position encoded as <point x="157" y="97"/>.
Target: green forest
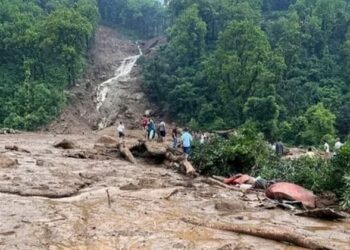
<point x="281" y="65"/>
<point x="44" y="45"/>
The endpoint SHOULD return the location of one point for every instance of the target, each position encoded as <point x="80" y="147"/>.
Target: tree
<point x="320" y="123"/>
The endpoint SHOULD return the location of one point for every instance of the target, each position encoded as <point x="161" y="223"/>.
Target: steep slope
<point x="109" y="89"/>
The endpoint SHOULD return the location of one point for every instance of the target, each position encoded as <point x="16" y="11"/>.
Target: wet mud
<point x="62" y="204"/>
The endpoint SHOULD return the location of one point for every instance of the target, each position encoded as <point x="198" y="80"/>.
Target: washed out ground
<point x="50" y="200"/>
<point x="139" y="217"/>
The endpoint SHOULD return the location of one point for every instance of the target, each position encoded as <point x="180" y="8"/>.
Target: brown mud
<point x="33" y="216"/>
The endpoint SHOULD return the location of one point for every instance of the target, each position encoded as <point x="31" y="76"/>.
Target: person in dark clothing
<point x="279" y="148"/>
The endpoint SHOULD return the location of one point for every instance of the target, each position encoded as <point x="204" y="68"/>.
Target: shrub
<point x="312" y="173"/>
<point x="240" y="153"/>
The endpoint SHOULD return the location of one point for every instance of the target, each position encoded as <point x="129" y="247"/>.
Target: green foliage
<point x="287" y="55"/>
<point x="312" y="173"/>
<point x="42" y="47"/>
<point x="320" y="122"/>
<point x="224" y="157"/>
<point x="145" y="17"/>
<point x="346" y="194"/>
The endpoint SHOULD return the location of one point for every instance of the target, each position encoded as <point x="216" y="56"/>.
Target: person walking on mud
<point x="186" y="143"/>
<point x="151" y="127"/>
<point x="144" y="122"/>
<point x="162" y="131"/>
<point x="121" y="131"/>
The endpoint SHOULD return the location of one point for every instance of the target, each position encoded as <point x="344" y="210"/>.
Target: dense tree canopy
<point x="145" y="17"/>
<point x="283" y="65"/>
<point x="42" y="47"/>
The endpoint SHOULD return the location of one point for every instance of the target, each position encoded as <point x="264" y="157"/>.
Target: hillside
<point x="108" y="91"/>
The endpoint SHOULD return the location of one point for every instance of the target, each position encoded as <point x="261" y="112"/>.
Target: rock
<point x="40" y="163"/>
<point x="16" y="148"/>
<point x="65" y="144"/>
<point x="107" y="141"/>
<point x="229" y="206"/>
<point x="6" y="162"/>
<point x="130" y="186"/>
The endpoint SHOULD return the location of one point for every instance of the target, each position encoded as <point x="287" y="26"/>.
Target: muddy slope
<point x="125" y="101"/>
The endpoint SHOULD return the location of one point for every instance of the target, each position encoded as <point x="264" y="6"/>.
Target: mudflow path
<point x="51" y="201"/>
<point x="110" y="89"/>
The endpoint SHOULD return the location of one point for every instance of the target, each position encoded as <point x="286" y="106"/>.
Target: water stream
<point x="121" y="74"/>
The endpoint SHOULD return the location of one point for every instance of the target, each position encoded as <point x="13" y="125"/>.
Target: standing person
<point x="202" y="140"/>
<point x="162" y="131"/>
<point x="310" y="153"/>
<point x="121" y="130"/>
<point x="279" y="148"/>
<point x="186" y="143"/>
<point x="144" y="122"/>
<point x="326" y="149"/>
<point x="338" y="145"/>
<point x="151" y="129"/>
<point x="174" y="135"/>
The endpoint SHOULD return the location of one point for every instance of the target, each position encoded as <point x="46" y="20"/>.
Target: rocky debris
<point x="65" y="144"/>
<point x="230" y="206"/>
<point x="106" y="141"/>
<point x="81" y="154"/>
<point x="130" y="186"/>
<point x="39" y="163"/>
<point x="6" y="162"/>
<point x="16" y="148"/>
<point x="322" y="213"/>
<point x="5" y="131"/>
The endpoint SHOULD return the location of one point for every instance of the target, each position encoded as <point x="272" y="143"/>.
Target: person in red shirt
<point x="144" y="122"/>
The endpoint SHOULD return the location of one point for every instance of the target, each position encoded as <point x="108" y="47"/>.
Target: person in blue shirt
<point x="186" y="138"/>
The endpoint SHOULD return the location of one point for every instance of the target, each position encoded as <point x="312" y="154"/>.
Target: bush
<point x="240" y="153"/>
<point x="312" y="173"/>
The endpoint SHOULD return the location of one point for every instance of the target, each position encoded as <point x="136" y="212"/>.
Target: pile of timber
<point x="150" y="150"/>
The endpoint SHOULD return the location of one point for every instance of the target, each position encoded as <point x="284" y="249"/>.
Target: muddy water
<point x="137" y="219"/>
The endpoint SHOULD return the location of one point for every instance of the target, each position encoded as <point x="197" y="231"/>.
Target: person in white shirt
<point x="327" y="150"/>
<point x="121" y="130"/>
<point x="326" y="147"/>
<point x="338" y="145"/>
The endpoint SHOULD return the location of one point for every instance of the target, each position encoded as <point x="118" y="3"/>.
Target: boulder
<point x="107" y="141"/>
<point x="6" y="162"/>
<point x="65" y="144"/>
<point x="291" y="192"/>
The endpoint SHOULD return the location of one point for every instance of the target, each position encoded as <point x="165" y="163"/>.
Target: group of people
<point x="152" y="129"/>
<point x="279" y="148"/>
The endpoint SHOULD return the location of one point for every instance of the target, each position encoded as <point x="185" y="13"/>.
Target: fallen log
<point x="270" y="233"/>
<point x="189" y="168"/>
<point x="125" y="152"/>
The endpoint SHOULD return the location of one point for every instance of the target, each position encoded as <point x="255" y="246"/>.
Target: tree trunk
<point x="270" y="233"/>
<point x="125" y="152"/>
<point x="188" y="166"/>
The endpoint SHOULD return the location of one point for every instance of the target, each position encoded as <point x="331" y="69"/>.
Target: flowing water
<point x="122" y="74"/>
